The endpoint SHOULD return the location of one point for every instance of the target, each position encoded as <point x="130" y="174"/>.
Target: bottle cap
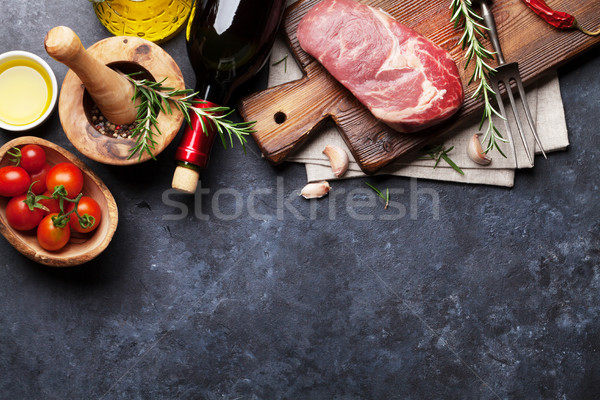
<point x="185" y="180"/>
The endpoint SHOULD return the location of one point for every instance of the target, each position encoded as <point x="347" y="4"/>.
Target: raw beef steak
<point x="403" y="78"/>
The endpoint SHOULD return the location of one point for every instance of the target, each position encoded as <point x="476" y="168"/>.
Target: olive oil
<point x="25" y="92"/>
<point x="155" y="20"/>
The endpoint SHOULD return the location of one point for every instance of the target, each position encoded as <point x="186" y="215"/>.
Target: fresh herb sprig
<point x="284" y="61"/>
<point x="385" y="197"/>
<point x="155" y="98"/>
<point x="463" y="14"/>
<point x="438" y="153"/>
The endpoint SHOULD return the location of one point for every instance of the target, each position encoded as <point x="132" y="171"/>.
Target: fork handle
<point x="490" y="23"/>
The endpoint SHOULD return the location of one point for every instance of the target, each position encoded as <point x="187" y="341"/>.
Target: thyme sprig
<point x="463" y="13"/>
<point x="385" y="197"/>
<point x="155" y="97"/>
<point x="438" y="153"/>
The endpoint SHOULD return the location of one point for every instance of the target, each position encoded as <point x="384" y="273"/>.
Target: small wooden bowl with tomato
<point x="81" y="247"/>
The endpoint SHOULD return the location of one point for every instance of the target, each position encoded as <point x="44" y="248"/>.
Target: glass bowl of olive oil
<point x="28" y="90"/>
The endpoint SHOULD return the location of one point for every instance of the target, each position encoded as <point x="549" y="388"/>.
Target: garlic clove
<point x="315" y="190"/>
<point x="475" y="151"/>
<point x="338" y="159"/>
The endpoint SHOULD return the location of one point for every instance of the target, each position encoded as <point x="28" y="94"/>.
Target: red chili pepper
<point x="558" y="19"/>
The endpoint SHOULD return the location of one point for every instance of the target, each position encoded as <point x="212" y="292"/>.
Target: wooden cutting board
<point x="286" y="115"/>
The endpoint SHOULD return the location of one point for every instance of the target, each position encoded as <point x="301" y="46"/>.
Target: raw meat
<point x="403" y="78"/>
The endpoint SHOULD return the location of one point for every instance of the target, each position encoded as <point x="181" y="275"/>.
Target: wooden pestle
<point x="111" y="91"/>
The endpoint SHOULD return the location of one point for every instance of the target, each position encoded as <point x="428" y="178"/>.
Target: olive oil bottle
<point x="155" y="20"/>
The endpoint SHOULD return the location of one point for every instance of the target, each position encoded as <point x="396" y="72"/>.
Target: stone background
<point x="251" y="292"/>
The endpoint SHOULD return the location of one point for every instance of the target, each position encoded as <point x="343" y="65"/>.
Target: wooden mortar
<point x="92" y="79"/>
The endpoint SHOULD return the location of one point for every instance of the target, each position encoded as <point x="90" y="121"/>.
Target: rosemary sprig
<point x="462" y="11"/>
<point x="438" y="153"/>
<point x="157" y="98"/>
<point x="284" y="61"/>
<point x="385" y="197"/>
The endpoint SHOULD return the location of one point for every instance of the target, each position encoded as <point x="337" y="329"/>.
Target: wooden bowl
<point x="127" y="54"/>
<point x="82" y="247"/>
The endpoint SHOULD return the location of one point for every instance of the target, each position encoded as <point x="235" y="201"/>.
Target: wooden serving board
<point x="286" y="115"/>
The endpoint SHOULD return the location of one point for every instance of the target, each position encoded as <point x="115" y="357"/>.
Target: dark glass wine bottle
<point x="228" y="41"/>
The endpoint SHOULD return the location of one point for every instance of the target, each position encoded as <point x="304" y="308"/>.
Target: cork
<point x="185" y="180"/>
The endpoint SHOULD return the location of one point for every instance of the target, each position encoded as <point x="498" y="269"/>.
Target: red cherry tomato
<point x="39" y="178"/>
<point x="51" y="237"/>
<point x="33" y="158"/>
<point x="53" y="205"/>
<point x="14" y="181"/>
<point x="88" y="206"/>
<point x="20" y="217"/>
<point x="68" y="175"/>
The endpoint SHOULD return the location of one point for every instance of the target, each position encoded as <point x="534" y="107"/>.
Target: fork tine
<point x="529" y="117"/>
<point x="518" y="118"/>
<point x="500" y="102"/>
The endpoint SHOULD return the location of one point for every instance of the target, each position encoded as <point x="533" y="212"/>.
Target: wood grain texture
<point x="111" y="91"/>
<point x="524" y="37"/>
<point x="82" y="247"/>
<point x="74" y="109"/>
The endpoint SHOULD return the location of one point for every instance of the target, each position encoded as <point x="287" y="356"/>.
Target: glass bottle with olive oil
<point x="155" y="20"/>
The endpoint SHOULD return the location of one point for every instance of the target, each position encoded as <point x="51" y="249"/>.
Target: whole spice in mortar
<point x="105" y="127"/>
<point x="557" y="19"/>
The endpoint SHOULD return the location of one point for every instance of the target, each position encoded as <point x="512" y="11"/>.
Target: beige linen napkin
<point x="544" y="101"/>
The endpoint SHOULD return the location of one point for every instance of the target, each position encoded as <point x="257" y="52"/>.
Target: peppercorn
<point x="109" y="129"/>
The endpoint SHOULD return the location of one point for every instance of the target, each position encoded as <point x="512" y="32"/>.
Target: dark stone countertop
<point x="251" y="292"/>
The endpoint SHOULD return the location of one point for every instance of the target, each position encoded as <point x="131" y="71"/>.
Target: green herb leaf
<point x="438" y="153"/>
<point x="386" y="197"/>
<point x="284" y="61"/>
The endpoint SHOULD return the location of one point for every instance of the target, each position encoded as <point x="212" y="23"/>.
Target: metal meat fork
<point x="506" y="73"/>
